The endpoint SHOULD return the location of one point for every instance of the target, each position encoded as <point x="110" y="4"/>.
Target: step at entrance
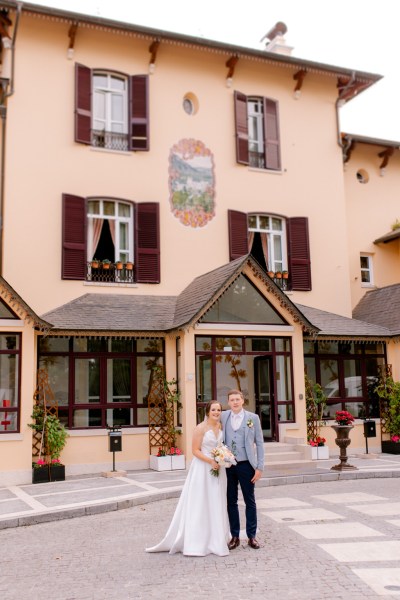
<point x="282" y="452"/>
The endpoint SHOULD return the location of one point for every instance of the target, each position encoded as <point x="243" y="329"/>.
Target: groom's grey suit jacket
<point x="253" y="437"/>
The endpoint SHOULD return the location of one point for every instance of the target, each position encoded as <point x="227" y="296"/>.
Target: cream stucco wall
<point x="44" y="161"/>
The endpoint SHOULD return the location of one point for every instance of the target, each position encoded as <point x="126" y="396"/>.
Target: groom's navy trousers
<point x="242" y="474"/>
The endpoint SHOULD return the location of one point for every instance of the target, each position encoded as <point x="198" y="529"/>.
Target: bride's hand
<point x="214" y="465"/>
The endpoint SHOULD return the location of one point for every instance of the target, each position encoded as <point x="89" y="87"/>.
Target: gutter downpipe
<point x="3" y="116"/>
<point x="338" y="105"/>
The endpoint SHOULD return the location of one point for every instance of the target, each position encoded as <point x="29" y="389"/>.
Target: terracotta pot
<point x="119" y="266"/>
<point x="129" y="266"/>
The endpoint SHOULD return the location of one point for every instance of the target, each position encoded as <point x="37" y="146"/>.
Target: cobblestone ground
<point x="102" y="556"/>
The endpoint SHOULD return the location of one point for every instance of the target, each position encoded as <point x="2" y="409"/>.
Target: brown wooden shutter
<point x="147" y="250"/>
<point x="139" y="135"/>
<point x="238" y="236"/>
<point x="83" y="104"/>
<point x="241" y="129"/>
<point x="73" y="237"/>
<point x="271" y="132"/>
<point x="299" y="254"/>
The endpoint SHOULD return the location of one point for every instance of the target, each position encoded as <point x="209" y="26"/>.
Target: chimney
<point x="275" y="42"/>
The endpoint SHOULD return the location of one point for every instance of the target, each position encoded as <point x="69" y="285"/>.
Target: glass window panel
<point x="309" y="364"/>
<point x="99" y="80"/>
<point x="264" y="222"/>
<point x="285" y="412"/>
<point x="9" y="342"/>
<point x="276" y="224"/>
<point x="352" y="378"/>
<point x="229" y="344"/>
<point x="93" y="207"/>
<point x="88" y="417"/>
<point x="145" y="376"/>
<point x="119" y="417"/>
<point x="8" y="421"/>
<point x="327" y="347"/>
<point x="87" y="380"/>
<point x="117" y="83"/>
<point x="308" y="347"/>
<point x="283" y="378"/>
<point x="203" y="344"/>
<point x="149" y="345"/>
<point x="142" y="416"/>
<point x="242" y="303"/>
<point x="277" y="248"/>
<point x="57" y="368"/>
<point x="109" y="208"/>
<point x="258" y="344"/>
<point x="330" y="410"/>
<point x="204" y="379"/>
<point x="252" y="221"/>
<point x="88" y="345"/>
<point x="5" y="312"/>
<point x="120" y="345"/>
<point x="282" y="345"/>
<point x="330" y="378"/>
<point x="346" y="348"/>
<point x="357" y="409"/>
<point x="123" y="236"/>
<point x="375" y="348"/>
<point x="365" y="277"/>
<point x="358" y="348"/>
<point x="99" y="105"/>
<point x="364" y="262"/>
<point x="231" y="373"/>
<point x="49" y="344"/>
<point x="117" y="107"/>
<point x="118" y="380"/>
<point x="124" y="210"/>
<point x="9" y="380"/>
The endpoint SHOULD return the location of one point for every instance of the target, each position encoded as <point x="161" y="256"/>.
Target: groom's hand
<point x="257" y="476"/>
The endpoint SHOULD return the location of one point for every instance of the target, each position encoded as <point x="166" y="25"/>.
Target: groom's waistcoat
<point x="235" y="440"/>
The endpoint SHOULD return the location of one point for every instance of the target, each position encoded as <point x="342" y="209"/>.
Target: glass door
<point x="264" y="396"/>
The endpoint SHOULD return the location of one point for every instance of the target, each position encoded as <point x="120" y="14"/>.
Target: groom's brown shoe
<point x="254" y="544"/>
<point x="234" y="543"/>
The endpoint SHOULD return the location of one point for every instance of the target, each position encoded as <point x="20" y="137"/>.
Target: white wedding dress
<point x="200" y="524"/>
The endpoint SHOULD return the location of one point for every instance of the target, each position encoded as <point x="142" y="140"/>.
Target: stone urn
<point x="343" y="440"/>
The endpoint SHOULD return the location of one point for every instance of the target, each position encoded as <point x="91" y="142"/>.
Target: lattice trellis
<point x="312" y="412"/>
<point x="161" y="411"/>
<point x="43" y="398"/>
<point x="384" y="373"/>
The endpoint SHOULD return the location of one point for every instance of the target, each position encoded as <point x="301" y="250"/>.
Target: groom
<point x="242" y="429"/>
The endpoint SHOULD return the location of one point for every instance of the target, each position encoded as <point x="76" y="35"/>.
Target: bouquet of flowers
<point x="223" y="456"/>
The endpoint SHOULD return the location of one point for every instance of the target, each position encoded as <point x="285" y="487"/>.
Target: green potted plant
<point x="54" y="437"/>
<point x="389" y="391"/>
<point x="106" y="264"/>
<point x="95" y="263"/>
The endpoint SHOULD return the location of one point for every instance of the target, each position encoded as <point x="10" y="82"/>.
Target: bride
<point x="200" y="524"/>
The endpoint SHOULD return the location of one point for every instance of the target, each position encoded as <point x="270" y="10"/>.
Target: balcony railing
<point x="110" y="140"/>
<point x="281" y="279"/>
<point x="110" y="272"/>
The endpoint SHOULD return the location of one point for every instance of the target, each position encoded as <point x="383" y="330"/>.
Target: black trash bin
<point x="369" y="429"/>
<point x="115" y="440"/>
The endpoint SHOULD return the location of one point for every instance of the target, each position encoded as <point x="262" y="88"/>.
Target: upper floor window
<point x="277" y="243"/>
<point x="111" y="109"/>
<point x="367" y="278"/>
<point x="270" y="243"/>
<point x="113" y="232"/>
<point x="257" y="132"/>
<point x="110" y="230"/>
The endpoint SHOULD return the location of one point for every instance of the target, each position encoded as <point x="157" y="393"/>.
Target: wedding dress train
<point x="200" y="524"/>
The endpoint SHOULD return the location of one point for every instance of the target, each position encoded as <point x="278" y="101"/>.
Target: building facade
<point x="177" y="202"/>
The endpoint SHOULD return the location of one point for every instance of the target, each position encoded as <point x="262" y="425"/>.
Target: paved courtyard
<point x="326" y="540"/>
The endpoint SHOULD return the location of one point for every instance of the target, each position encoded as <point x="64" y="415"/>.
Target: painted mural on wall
<point x="191" y="183"/>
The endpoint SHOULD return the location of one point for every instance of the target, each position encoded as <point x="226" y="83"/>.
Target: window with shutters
<point x="111" y="109"/>
<point x="257" y="132"/>
<point x="278" y="244"/>
<point x="110" y="240"/>
<point x="267" y="234"/>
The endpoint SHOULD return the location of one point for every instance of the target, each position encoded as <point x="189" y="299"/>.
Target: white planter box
<point x="319" y="452"/>
<point x="160" y="463"/>
<point x="178" y="461"/>
<point x="323" y="452"/>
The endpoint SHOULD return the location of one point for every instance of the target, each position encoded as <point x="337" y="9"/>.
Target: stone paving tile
<point x="13" y="506"/>
<point x="6" y="494"/>
<point x="87" y="496"/>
